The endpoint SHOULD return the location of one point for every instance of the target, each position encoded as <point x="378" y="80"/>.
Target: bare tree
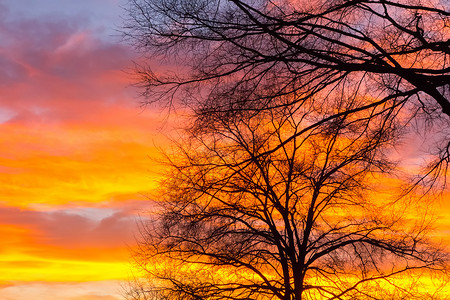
<point x="296" y="105"/>
<point x="253" y="51"/>
<point x="264" y="206"/>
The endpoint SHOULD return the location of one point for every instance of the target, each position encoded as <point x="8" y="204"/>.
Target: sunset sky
<point x="76" y="150"/>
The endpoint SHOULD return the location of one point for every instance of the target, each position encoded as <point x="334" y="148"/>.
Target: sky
<point x="76" y="150"/>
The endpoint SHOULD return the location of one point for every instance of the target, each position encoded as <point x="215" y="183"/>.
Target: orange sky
<point x="75" y="151"/>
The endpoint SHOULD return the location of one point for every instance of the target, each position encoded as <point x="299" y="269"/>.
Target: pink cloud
<point x="72" y="229"/>
<point x="52" y="68"/>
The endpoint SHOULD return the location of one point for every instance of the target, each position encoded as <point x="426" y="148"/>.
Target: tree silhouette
<point x="296" y="108"/>
<point x="390" y="51"/>
<point x="242" y="217"/>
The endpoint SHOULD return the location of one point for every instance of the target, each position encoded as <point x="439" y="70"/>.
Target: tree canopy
<point x="246" y="215"/>
<point x="402" y="45"/>
<point x="239" y="55"/>
<point x="296" y="106"/>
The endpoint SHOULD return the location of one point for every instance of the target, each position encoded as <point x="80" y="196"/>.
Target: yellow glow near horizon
<point x="26" y="256"/>
<point x="31" y="268"/>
